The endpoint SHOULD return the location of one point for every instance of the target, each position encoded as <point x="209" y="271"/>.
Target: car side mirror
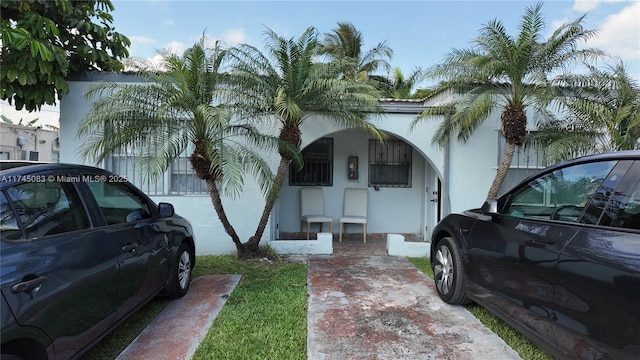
<point x="166" y="210"/>
<point x="490" y="207"/>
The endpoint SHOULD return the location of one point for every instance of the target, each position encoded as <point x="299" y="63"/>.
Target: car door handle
<point x="130" y="248"/>
<point x="24" y="286"/>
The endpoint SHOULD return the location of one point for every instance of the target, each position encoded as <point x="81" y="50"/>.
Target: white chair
<point x="312" y="208"/>
<point x="355" y="210"/>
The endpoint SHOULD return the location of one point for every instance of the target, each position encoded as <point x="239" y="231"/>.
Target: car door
<point x="513" y="257"/>
<point x="58" y="273"/>
<point x="131" y="226"/>
<point x="597" y="301"/>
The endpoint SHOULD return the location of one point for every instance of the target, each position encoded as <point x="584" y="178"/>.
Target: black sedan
<point x="557" y="257"/>
<point x="81" y="250"/>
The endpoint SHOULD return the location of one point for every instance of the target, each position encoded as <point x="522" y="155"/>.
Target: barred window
<point x="528" y="160"/>
<point x="178" y="180"/>
<point x="317" y="169"/>
<point x="390" y="163"/>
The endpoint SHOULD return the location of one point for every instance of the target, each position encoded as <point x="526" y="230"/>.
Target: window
<point x="317" y="168"/>
<point x="179" y="179"/>
<point x="528" y="160"/>
<point x="119" y="203"/>
<point x="561" y="194"/>
<point x="623" y="208"/>
<point x="183" y="180"/>
<point x="4" y="155"/>
<point x="390" y="163"/>
<point x="47" y="208"/>
<point x="9" y="228"/>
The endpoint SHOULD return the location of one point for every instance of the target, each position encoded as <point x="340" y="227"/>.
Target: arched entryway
<point x="401" y="183"/>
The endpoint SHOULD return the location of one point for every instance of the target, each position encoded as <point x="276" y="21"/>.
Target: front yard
<point x="266" y="315"/>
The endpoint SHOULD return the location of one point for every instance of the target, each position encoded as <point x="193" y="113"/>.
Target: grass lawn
<point x="266" y="315"/>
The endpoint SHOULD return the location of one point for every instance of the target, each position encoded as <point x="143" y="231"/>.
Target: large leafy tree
<point x="345" y="43"/>
<point x="506" y="74"/>
<point x="43" y="41"/>
<point x="284" y="86"/>
<point x="603" y="114"/>
<point x="171" y="112"/>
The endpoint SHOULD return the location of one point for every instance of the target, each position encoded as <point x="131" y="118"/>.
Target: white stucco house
<point x="410" y="183"/>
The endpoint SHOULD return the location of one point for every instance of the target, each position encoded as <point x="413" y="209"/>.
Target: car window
<point x="623" y="208"/>
<point x="47" y="208"/>
<point x="119" y="203"/>
<point x="561" y="194"/>
<point x="9" y="228"/>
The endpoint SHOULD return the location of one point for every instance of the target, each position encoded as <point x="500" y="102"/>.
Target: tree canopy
<point x="510" y="74"/>
<point x="44" y="41"/>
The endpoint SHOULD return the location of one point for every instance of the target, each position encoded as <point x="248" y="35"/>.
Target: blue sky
<point x="421" y="33"/>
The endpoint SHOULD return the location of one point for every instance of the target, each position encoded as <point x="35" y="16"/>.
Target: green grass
<point x="266" y="315"/>
<point x="523" y="346"/>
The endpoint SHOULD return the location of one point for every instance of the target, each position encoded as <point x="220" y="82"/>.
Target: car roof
<point x="614" y="155"/>
<point x="11" y="167"/>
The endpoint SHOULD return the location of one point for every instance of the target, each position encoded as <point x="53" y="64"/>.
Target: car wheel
<point x="181" y="277"/>
<point x="448" y="273"/>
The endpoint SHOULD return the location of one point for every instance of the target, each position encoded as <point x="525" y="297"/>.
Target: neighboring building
<point x="18" y="142"/>
<point x="411" y="183"/>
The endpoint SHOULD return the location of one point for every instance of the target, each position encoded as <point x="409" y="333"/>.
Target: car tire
<point x="181" y="273"/>
<point x="448" y="273"/>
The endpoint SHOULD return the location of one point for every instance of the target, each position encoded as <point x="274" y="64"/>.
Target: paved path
<point x="176" y="333"/>
<point x="382" y="307"/>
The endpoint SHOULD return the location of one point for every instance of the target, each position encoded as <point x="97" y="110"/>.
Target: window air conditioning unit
<point x="30" y="155"/>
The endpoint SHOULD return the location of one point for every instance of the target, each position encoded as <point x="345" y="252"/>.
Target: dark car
<point x="557" y="257"/>
<point x="81" y="250"/>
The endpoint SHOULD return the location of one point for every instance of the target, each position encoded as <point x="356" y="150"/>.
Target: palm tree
<point x="169" y="112"/>
<point x="284" y="84"/>
<point x="345" y="44"/>
<point x="603" y="115"/>
<point x="509" y="75"/>
<point x="402" y="86"/>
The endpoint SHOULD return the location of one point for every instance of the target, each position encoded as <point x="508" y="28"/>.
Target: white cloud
<point x="619" y="34"/>
<point x="234" y="36"/>
<point x="588" y="5"/>
<point x="141" y="40"/>
<point x="174" y="47"/>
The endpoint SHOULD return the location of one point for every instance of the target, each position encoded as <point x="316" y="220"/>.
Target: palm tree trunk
<point x="222" y="215"/>
<point x="503" y="169"/>
<point x="271" y="200"/>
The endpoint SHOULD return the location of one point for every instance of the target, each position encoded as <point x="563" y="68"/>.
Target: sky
<point x="421" y="33"/>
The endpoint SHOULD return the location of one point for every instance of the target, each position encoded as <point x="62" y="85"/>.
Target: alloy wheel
<point x="443" y="270"/>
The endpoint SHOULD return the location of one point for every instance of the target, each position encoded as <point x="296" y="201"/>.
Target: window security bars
<point x="390" y="164"/>
<point x="317" y="169"/>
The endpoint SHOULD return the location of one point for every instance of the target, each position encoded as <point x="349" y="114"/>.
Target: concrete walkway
<point x="176" y="333"/>
<point x="382" y="307"/>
